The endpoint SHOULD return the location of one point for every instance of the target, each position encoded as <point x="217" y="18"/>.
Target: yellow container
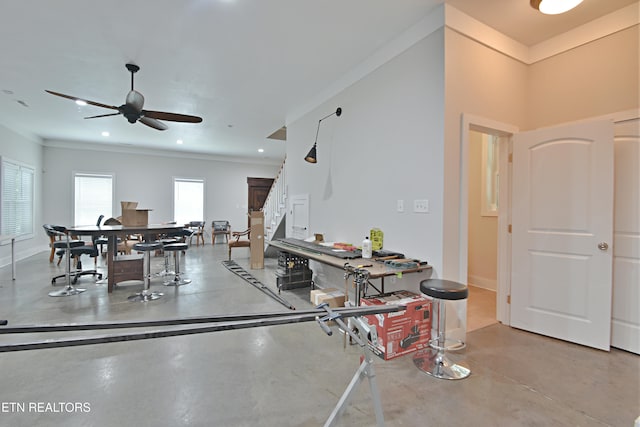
<point x="377" y="236"/>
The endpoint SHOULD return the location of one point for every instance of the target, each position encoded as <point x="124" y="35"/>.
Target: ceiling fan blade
<point x="75" y="98"/>
<point x="103" y="115"/>
<point x="172" y="117"/>
<point x="153" y="123"/>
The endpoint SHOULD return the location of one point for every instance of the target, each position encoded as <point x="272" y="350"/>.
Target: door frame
<point x="482" y="124"/>
<point x="252" y="185"/>
<point x="505" y="131"/>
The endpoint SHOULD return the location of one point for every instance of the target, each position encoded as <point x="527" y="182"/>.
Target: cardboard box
<point x="256" y="240"/>
<point x="332" y="296"/>
<point x="402" y="332"/>
<point x="132" y="217"/>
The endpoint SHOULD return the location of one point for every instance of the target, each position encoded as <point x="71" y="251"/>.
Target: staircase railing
<point x="275" y="205"/>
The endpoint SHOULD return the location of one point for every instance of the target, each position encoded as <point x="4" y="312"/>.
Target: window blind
<point x="17" y="199"/>
<point x="93" y="196"/>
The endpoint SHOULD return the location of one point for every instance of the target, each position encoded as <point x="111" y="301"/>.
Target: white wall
<point x="147" y="179"/>
<point x="485" y="83"/>
<point x="29" y="151"/>
<point x="598" y="78"/>
<point x="386" y="146"/>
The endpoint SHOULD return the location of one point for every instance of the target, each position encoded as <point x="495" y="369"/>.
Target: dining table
<point x="150" y="232"/>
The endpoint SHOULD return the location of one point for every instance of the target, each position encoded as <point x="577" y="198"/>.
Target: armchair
<point x="239" y="242"/>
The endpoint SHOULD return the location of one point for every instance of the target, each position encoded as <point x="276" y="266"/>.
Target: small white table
<point x="4" y="238"/>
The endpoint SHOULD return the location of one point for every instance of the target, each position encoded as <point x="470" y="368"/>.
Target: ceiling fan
<point x="132" y="108"/>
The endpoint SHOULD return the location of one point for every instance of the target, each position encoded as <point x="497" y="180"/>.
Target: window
<point x="490" y="176"/>
<point x="17" y="199"/>
<point x="92" y="197"/>
<point x="188" y="200"/>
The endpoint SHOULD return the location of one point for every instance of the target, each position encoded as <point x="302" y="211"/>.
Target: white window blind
<point x="93" y="196"/>
<point x="188" y="200"/>
<point x="17" y="199"/>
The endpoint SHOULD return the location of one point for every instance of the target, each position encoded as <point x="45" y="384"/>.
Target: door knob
<point x="603" y="246"/>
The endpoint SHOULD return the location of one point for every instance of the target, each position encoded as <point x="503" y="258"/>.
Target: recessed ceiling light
<point x="105" y="133"/>
<point x="81" y="102"/>
<point x="179" y="142"/>
<point x="260" y="150"/>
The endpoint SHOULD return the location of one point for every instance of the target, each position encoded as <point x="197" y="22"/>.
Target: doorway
<point x="482" y="218"/>
<point x="504" y="133"/>
<point x="258" y="190"/>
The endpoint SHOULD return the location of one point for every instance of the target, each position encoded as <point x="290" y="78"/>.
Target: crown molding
<point x="484" y="34"/>
<point x="606" y="25"/>
<point x="126" y="149"/>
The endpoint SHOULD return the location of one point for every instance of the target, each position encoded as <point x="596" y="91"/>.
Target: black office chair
<point x="101" y="241"/>
<point x="76" y="252"/>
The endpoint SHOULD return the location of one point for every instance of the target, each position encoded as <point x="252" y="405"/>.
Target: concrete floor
<point x="291" y="375"/>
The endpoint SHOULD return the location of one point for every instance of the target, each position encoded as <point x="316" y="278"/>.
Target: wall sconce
<point x="311" y="157"/>
<point x="554" y="7"/>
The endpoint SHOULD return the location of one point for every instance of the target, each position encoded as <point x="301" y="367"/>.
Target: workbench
<point x="376" y="269"/>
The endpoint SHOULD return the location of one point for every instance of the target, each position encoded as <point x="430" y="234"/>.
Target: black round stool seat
<point x="62" y="244"/>
<point x="145" y="247"/>
<point x="176" y="247"/>
<point x="444" y="289"/>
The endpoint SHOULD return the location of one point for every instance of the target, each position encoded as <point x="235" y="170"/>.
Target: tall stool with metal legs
<point x="146" y="294"/>
<point x="434" y="360"/>
<point x="176" y="248"/>
<point x="165" y="271"/>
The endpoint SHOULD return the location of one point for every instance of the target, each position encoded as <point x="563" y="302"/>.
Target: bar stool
<point x="146" y="294"/>
<point x="166" y="271"/>
<point x="67" y="245"/>
<point x="176" y="248"/>
<point x="433" y="360"/>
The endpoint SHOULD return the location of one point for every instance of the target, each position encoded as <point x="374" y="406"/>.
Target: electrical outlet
<point x="400" y="206"/>
<point x="421" y="206"/>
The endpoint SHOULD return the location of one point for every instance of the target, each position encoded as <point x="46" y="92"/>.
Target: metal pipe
<point x="249" y="321"/>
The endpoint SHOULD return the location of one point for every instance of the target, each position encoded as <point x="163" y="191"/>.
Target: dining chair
<point x="197" y="228"/>
<point x="220" y="228"/>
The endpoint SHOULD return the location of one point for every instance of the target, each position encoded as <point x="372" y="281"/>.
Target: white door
<point x="625" y="319"/>
<point x="562" y="216"/>
<point x="299" y="215"/>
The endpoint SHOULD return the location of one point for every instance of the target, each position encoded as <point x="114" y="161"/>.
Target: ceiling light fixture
<point x="105" y="133"/>
<point x="179" y="142"/>
<point x="260" y="150"/>
<point x="81" y="102"/>
<point x="554" y="7"/>
<point x="311" y="157"/>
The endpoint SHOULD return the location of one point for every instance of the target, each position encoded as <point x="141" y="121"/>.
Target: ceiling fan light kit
<point x="554" y="7"/>
<point x="132" y="108"/>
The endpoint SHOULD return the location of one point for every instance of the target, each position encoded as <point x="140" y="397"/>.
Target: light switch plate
<point x="400" y="206"/>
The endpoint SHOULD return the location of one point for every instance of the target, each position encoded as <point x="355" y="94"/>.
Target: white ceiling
<point x="242" y="65"/>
